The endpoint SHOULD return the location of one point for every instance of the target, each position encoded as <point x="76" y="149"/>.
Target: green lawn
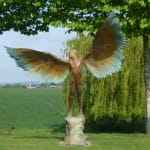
<point x="46" y="139"/>
<point x="38" y="115"/>
<point x="31" y="108"/>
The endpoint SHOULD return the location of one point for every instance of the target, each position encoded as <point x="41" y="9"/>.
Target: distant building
<point x="30" y="86"/>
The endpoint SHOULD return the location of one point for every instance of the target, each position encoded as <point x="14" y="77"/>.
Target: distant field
<point x="31" y="108"/>
<point x="38" y="115"/>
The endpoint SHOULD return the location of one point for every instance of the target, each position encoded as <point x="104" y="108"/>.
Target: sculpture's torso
<point x="76" y="68"/>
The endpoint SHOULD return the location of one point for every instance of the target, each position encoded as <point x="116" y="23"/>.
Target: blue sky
<point x="53" y="42"/>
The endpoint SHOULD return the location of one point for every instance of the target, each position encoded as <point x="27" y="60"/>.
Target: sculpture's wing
<point x="46" y="64"/>
<point x="106" y="53"/>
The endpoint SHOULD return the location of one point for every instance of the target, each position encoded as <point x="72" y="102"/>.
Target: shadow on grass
<point x="58" y="128"/>
<point x="50" y="136"/>
<point x="41" y="137"/>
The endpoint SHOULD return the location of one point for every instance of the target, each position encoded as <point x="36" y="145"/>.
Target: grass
<point x="31" y="108"/>
<point x="38" y="115"/>
<point x="45" y="139"/>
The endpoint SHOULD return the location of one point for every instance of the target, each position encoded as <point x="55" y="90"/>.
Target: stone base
<point x="74" y="132"/>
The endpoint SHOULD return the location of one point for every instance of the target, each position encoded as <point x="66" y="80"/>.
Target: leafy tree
<point x="137" y="23"/>
<point x="31" y="16"/>
<point x="115" y="103"/>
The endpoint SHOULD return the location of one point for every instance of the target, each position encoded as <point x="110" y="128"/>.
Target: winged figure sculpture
<point x="103" y="58"/>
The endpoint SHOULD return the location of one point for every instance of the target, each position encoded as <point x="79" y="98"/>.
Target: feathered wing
<point x="106" y="53"/>
<point x="51" y="67"/>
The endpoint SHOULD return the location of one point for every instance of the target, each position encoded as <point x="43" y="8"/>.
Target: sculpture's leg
<point x="71" y="98"/>
<point x="79" y="95"/>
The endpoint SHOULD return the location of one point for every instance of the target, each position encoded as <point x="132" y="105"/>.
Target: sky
<point x="52" y="41"/>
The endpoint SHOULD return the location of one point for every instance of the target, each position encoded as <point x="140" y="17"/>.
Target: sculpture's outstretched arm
<point x="46" y="64"/>
<point x="106" y="54"/>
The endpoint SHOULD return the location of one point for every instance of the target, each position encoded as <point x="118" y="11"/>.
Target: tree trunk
<point x="147" y="79"/>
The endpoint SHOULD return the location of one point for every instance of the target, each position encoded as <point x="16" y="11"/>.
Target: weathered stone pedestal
<point x="74" y="132"/>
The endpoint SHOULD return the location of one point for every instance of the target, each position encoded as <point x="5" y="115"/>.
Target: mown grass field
<point x="38" y="115"/>
<point x="31" y="108"/>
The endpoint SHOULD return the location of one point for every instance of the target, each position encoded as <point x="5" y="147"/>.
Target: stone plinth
<point x="74" y="132"/>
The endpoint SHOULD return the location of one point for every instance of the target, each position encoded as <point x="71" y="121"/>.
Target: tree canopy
<point x="31" y="16"/>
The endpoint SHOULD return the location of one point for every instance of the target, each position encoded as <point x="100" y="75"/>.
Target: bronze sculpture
<point x="103" y="58"/>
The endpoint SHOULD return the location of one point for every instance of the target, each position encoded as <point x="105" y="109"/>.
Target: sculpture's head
<point x="73" y="54"/>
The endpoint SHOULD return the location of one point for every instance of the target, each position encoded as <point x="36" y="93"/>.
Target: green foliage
<point x="119" y="99"/>
<point x="115" y="103"/>
<point x="31" y="16"/>
<point x="82" y="43"/>
<point x="135" y="17"/>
